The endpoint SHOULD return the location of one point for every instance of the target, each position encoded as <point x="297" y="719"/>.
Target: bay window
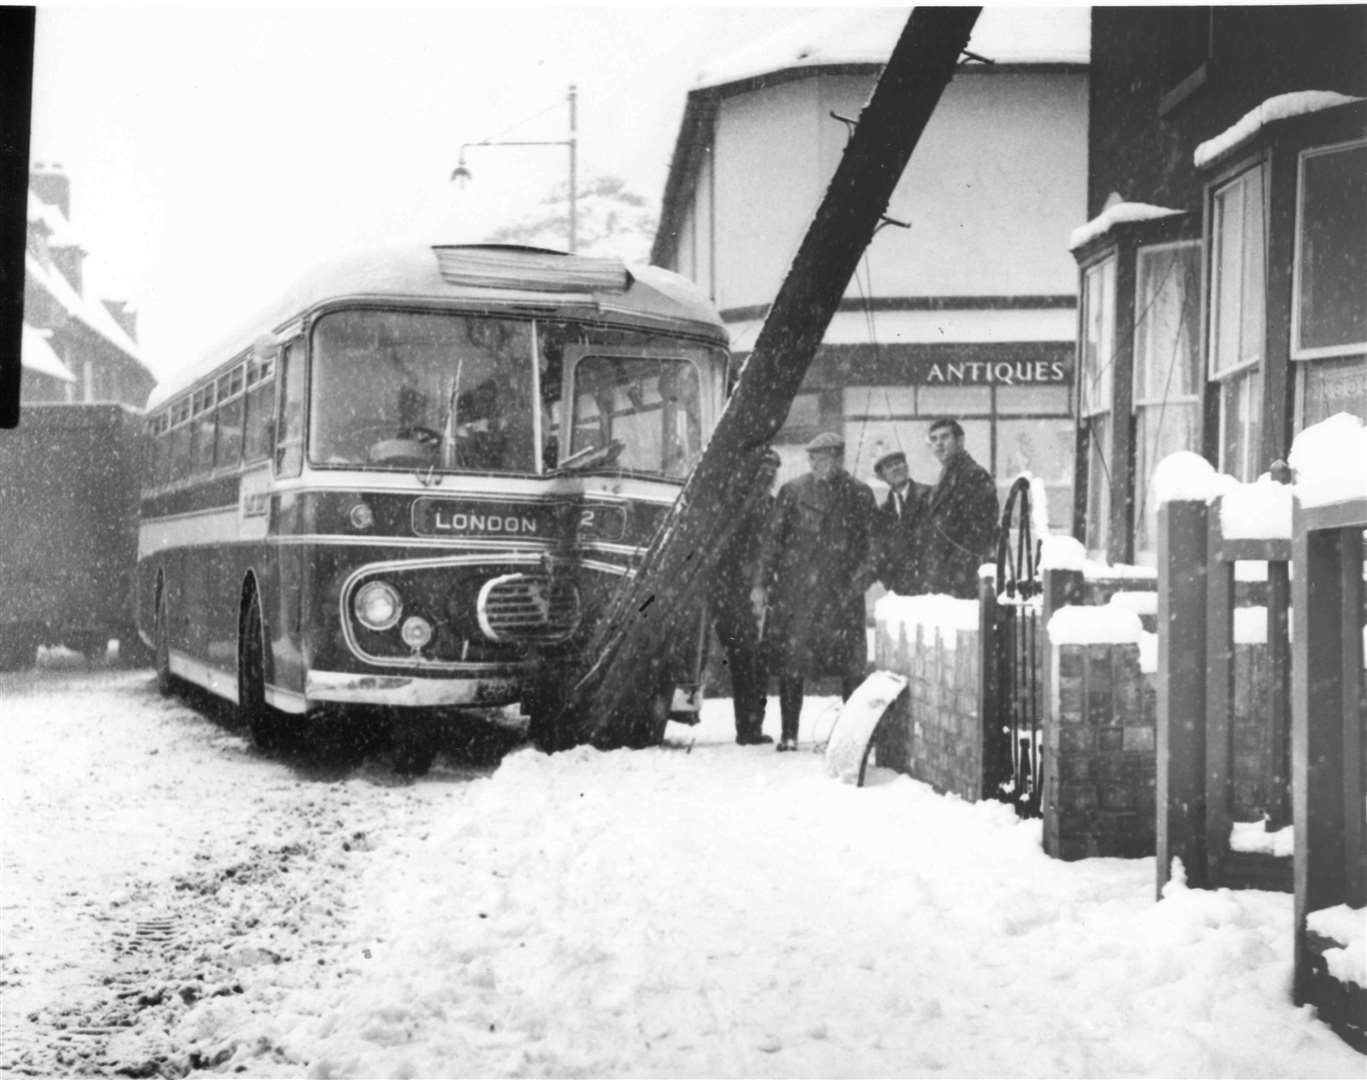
<point x="1167" y="372"/>
<point x="1237" y="322"/>
<point x="1095" y="383"/>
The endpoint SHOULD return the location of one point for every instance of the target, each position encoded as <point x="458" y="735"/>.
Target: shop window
<point x="1035" y="400"/>
<point x="1330" y="315"/>
<point x="1167" y="371"/>
<point x="1044" y="449"/>
<point x="1095" y="396"/>
<point x="1238" y="288"/>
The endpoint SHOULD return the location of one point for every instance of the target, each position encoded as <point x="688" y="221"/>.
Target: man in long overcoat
<point x="733" y="616"/>
<point x="899" y="557"/>
<point x="961" y="516"/>
<point x="811" y="578"/>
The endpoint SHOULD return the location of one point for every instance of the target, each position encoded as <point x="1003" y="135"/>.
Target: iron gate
<point x="1011" y="656"/>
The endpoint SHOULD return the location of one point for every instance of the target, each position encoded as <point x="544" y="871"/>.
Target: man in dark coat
<point x="961" y="516"/>
<point x="809" y="577"/>
<point x="899" y="532"/>
<point x="733" y="617"/>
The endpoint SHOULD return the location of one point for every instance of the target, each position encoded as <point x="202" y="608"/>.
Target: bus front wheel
<point x="270" y="728"/>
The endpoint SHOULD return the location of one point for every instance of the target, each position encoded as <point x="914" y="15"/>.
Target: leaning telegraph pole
<point x="636" y="633"/>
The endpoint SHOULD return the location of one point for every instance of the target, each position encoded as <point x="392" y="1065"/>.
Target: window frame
<point x="1299" y="353"/>
<point x="1224" y="383"/>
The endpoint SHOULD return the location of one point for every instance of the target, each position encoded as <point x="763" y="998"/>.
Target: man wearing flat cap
<point x="899" y="527"/>
<point x="811" y="578"/>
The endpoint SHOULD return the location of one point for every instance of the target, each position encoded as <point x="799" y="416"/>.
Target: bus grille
<point x="527" y="607"/>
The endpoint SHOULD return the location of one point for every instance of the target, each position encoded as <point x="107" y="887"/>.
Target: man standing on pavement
<point x="899" y="558"/>
<point x="810" y="579"/>
<point x="961" y="516"/>
<point x="733" y="617"/>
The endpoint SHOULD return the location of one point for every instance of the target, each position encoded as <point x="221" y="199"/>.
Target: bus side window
<point x="289" y="450"/>
<point x="229" y="448"/>
<point x="259" y="423"/>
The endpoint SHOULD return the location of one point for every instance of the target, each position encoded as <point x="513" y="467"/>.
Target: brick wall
<point x="1099" y="753"/>
<point x="935" y="731"/>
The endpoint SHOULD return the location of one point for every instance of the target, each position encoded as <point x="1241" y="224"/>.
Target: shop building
<point x="966" y="301"/>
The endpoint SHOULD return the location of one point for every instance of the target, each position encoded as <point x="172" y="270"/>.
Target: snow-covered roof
<point x="60" y="232"/>
<point x="1120" y="213"/>
<point x="1280" y="107"/>
<point x="36" y="354"/>
<point x="865" y="35"/>
<point x="92" y="312"/>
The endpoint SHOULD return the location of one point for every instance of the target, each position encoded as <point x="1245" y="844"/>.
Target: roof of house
<point x="857" y="39"/>
<point x="1005" y="34"/>
<point x="36" y="354"/>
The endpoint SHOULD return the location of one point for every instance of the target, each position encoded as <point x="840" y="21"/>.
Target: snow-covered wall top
<point x="1329" y="460"/>
<point x="866" y="35"/>
<point x="1061" y="553"/>
<point x="1118" y="214"/>
<point x="1276" y="108"/>
<point x="945" y="615"/>
<point x="1108" y="624"/>
<point x="1141" y="603"/>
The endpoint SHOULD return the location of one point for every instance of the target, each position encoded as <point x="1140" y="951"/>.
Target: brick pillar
<point x="1099" y="744"/>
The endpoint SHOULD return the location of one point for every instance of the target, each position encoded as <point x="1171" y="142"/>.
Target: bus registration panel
<point x="520" y="520"/>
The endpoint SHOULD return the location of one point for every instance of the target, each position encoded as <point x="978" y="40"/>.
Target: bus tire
<point x="270" y="729"/>
<point x="161" y="660"/>
<point x="415" y="745"/>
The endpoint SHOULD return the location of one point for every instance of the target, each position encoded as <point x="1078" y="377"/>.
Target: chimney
<point x="52" y="185"/>
<point x="125" y="316"/>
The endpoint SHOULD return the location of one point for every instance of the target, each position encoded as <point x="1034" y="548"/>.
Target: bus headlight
<point x="377" y="605"/>
<point x="416" y="632"/>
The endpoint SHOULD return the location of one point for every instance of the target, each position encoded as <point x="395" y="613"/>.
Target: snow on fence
<point x="1303" y="696"/>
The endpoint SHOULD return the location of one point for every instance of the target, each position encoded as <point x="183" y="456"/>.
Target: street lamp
<point x="462" y="173"/>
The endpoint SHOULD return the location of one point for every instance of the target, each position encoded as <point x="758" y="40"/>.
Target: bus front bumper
<point x="408" y="691"/>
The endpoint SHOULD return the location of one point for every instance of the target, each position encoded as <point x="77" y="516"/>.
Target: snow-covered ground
<point x="174" y="903"/>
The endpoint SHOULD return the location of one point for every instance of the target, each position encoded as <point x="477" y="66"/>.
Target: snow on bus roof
<point x="1005" y="34"/>
<point x="413" y="271"/>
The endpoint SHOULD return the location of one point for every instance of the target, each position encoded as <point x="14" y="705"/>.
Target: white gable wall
<point x="992" y="191"/>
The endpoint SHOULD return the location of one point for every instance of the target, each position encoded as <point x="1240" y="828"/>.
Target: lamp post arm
<point x="462" y="173"/>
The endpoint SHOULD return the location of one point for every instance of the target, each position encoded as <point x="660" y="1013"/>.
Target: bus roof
<point x="486" y="275"/>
